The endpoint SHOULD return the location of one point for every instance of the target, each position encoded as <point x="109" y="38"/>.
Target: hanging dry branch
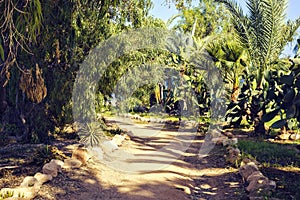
<point x="32" y="83"/>
<point x="19" y="25"/>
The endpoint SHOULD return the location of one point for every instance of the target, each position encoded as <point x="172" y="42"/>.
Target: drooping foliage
<point x="20" y="24"/>
<point x="39" y="81"/>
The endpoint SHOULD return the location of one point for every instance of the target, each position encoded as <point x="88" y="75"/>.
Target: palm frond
<point x="233" y="7"/>
<point x="273" y="21"/>
<point x="172" y="19"/>
<point x="239" y="21"/>
<point x="290" y="30"/>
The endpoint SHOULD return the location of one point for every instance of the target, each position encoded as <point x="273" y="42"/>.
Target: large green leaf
<point x="297" y="83"/>
<point x="291" y="112"/>
<point x="269" y="116"/>
<point x="271" y="94"/>
<point x="297" y="100"/>
<point x="278" y="124"/>
<point x="291" y="124"/>
<point x="287" y="79"/>
<point x="289" y="96"/>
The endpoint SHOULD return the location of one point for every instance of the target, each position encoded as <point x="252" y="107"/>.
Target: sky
<point x="164" y="11"/>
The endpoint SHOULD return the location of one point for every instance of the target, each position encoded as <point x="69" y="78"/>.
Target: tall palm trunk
<point x="235" y="90"/>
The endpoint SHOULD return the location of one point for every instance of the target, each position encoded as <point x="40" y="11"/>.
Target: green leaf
<point x="297" y="100"/>
<point x="271" y="94"/>
<point x="289" y="96"/>
<point x="269" y="116"/>
<point x="187" y="78"/>
<point x="175" y="58"/>
<point x="297" y="83"/>
<point x="267" y="75"/>
<point x="236" y="119"/>
<point x="287" y="79"/>
<point x="291" y="112"/>
<point x="291" y="124"/>
<point x="278" y="124"/>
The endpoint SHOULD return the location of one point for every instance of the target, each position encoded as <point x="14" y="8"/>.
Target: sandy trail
<point x="151" y="165"/>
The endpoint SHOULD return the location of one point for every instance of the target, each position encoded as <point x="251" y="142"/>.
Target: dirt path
<point x="160" y="163"/>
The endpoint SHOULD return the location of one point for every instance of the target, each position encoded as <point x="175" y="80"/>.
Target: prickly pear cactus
<point x="284" y="97"/>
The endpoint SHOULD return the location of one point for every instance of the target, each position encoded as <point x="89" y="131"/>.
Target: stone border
<point x="258" y="185"/>
<point x="31" y="185"/>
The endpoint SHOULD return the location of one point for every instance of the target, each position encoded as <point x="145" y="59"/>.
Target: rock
<point x="232" y="159"/>
<point x="262" y="188"/>
<point x="28" y="181"/>
<point x="42" y="178"/>
<point x="109" y="146"/>
<point x="215" y="133"/>
<point x="230" y="142"/>
<point x="58" y="163"/>
<point x="136" y="116"/>
<point x="72" y="163"/>
<point x="271" y="140"/>
<point x="219" y="140"/>
<point x="295" y="136"/>
<point x="81" y="154"/>
<point x="284" y="136"/>
<point x="96" y="152"/>
<point x="118" y="139"/>
<point x="271" y="185"/>
<point x="229" y="148"/>
<point x="254" y="176"/>
<point x="248" y="169"/>
<point x="257" y="183"/>
<point x="234" y="151"/>
<point x="50" y="169"/>
<point x="234" y="155"/>
<point x="228" y="134"/>
<point x="245" y="161"/>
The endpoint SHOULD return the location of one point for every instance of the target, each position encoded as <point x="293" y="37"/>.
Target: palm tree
<point x="231" y="59"/>
<point x="263" y="32"/>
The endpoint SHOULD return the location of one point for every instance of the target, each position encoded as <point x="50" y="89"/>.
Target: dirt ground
<point x="157" y="163"/>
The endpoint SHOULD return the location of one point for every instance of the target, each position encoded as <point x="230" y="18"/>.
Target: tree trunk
<point x="257" y="113"/>
<point x="235" y="93"/>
